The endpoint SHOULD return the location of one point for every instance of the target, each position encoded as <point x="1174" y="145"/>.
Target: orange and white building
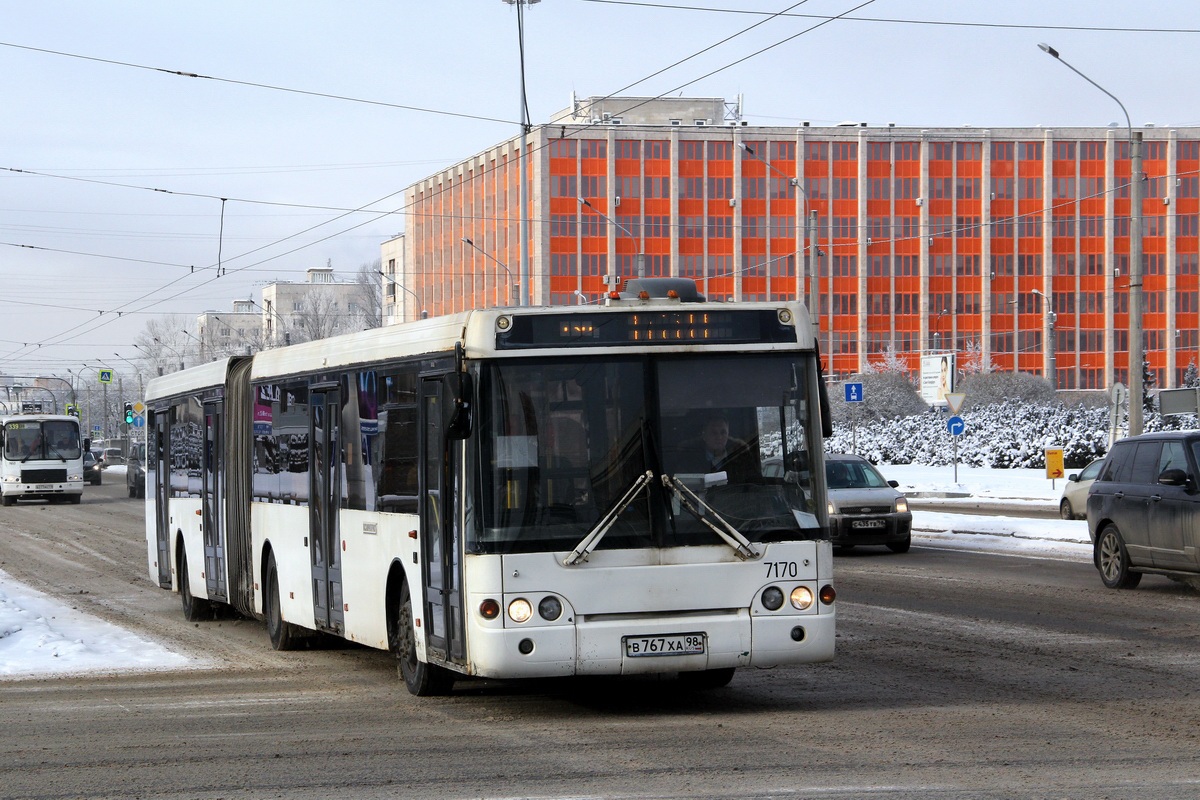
<point x="1007" y="244"/>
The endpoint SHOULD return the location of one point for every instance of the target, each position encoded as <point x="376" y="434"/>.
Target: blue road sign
<point x="854" y="392"/>
<point x="106" y="375"/>
<point x="956" y="425"/>
<point x="139" y="421"/>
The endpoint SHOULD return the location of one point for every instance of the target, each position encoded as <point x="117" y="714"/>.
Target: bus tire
<point x="284" y="635"/>
<point x="77" y="499"/>
<point x="194" y="608"/>
<point x="8" y="500"/>
<point x="707" y="678"/>
<point x="421" y="678"/>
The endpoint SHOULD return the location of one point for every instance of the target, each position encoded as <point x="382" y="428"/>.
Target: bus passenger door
<point x="440" y="537"/>
<point x="162" y="495"/>
<point x="212" y="501"/>
<point x="324" y="494"/>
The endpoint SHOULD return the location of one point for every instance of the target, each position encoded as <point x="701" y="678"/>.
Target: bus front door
<point x="324" y="487"/>
<point x="162" y="496"/>
<point x="440" y="539"/>
<point x="213" y="501"/>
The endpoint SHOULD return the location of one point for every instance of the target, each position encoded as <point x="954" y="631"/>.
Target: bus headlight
<point x="519" y="610"/>
<point x="772" y="598"/>
<point x="550" y="608"/>
<point x="802" y="597"/>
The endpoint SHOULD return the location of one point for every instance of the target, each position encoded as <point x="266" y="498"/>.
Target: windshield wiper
<point x="585" y="547"/>
<point x="702" y="511"/>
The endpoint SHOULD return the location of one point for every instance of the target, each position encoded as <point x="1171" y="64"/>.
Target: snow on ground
<point x="41" y="636"/>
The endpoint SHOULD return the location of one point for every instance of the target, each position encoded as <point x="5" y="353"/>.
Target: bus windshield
<point x="659" y="446"/>
<point x="41" y="440"/>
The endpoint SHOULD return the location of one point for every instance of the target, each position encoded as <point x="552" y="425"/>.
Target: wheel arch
<point x="396" y="579"/>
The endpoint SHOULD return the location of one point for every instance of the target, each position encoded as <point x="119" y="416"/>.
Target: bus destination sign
<point x="671" y="327"/>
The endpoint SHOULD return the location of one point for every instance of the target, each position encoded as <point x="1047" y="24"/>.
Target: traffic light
<point x="129" y="413"/>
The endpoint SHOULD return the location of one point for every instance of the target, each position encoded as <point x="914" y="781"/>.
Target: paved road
<point x="958" y="675"/>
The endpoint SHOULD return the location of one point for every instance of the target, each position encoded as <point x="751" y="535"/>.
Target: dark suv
<point x="135" y="470"/>
<point x="1143" y="511"/>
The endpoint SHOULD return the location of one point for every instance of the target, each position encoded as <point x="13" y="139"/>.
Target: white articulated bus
<point x="42" y="458"/>
<point x="512" y="493"/>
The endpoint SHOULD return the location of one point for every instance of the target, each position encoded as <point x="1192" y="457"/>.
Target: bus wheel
<point x="284" y="635"/>
<point x="707" y="678"/>
<point x="194" y="609"/>
<point x="8" y="499"/>
<point x="422" y="679"/>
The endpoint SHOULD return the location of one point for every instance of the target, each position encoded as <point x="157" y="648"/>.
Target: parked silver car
<point x="864" y="507"/>
<point x="1143" y="511"/>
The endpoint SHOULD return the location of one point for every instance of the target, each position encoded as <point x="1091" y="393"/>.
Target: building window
<point x="941" y="151"/>
<point x="629" y="149"/>
<point x="845" y="151"/>
<point x="969" y="151"/>
<point x="657" y="150"/>
<point x="1029" y="151"/>
<point x="593" y="148"/>
<point x="691" y="150"/>
<point x="1091" y="151"/>
<point x="1002" y="151"/>
<point x="720" y="151"/>
<point x="1064" y="151"/>
<point x="783" y="151"/>
<point x="563" y="148"/>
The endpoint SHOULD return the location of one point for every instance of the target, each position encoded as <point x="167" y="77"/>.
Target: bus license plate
<point x="674" y="644"/>
<point x="43" y="487"/>
<point x="867" y="523"/>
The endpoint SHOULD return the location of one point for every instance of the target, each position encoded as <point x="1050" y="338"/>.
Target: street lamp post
<point x="1050" y="318"/>
<point x="612" y="271"/>
<point x="287" y="335"/>
<point x="1136" y="349"/>
<point x="486" y="254"/>
<point x="166" y="346"/>
<point x="808" y="243"/>
<point x="420" y="305"/>
<point x="200" y="344"/>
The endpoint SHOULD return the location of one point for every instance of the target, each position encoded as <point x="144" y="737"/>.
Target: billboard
<point x="937" y="377"/>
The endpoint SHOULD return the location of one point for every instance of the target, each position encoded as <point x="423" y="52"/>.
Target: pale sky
<point x="322" y="108"/>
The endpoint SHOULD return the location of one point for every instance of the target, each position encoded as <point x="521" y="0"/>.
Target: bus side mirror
<point x="87" y="445"/>
<point x="457" y="390"/>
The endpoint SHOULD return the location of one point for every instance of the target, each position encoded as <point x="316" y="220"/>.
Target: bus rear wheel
<point x="284" y="635"/>
<point x="194" y="608"/>
<point x="421" y="678"/>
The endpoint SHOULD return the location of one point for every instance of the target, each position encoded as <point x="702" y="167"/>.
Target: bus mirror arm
<point x="457" y="391"/>
<point x="692" y="502"/>
<point x="585" y="547"/>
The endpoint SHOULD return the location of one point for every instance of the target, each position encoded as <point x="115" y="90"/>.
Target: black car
<point x="92" y="469"/>
<point x="135" y="470"/>
<point x="1143" y="510"/>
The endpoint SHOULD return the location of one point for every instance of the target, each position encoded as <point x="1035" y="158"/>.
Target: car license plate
<point x="672" y="644"/>
<point x="867" y="523"/>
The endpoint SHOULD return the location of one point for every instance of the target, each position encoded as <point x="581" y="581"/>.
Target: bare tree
<point x="317" y="317"/>
<point x="163" y="345"/>
<point x="369" y="302"/>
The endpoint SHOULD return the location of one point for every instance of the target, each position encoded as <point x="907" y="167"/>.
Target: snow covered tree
<point x="991" y="388"/>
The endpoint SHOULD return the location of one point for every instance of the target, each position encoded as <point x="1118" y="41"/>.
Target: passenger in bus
<point x="717" y="451"/>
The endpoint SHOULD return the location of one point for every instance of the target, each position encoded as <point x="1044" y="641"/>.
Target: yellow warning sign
<point x="1054" y="462"/>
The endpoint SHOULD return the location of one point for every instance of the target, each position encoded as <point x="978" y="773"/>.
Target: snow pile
<point x="38" y="635"/>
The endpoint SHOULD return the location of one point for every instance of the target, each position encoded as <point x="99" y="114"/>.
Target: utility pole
<point x="1136" y="350"/>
